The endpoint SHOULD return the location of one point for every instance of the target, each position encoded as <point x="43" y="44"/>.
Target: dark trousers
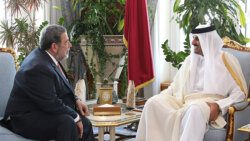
<point x="42" y="126"/>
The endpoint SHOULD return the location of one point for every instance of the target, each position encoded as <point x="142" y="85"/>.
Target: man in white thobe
<point x="208" y="82"/>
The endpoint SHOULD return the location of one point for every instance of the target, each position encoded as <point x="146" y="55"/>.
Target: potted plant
<point x="190" y="13"/>
<point x="98" y="30"/>
<point x="22" y="34"/>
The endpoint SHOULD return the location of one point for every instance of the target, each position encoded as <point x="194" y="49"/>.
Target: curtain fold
<point x="137" y="40"/>
<point x="51" y="14"/>
<point x="152" y="5"/>
<point x="67" y="12"/>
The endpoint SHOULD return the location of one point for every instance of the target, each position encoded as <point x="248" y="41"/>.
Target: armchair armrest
<point x="238" y="115"/>
<point x="241" y="105"/>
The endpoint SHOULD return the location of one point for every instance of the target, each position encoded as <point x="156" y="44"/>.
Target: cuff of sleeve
<point x="77" y="118"/>
<point x="223" y="109"/>
<point x="77" y="98"/>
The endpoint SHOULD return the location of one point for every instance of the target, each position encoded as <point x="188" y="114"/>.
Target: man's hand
<point x="83" y="109"/>
<point x="214" y="111"/>
<point x="80" y="128"/>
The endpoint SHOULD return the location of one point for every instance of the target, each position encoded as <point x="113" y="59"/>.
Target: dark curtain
<point x="67" y="12"/>
<point x="76" y="62"/>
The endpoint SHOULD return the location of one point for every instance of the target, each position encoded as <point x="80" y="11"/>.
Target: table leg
<point x="112" y="133"/>
<point x="101" y="134"/>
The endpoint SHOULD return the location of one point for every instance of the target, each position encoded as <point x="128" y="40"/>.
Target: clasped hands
<point x="214" y="111"/>
<point x="83" y="109"/>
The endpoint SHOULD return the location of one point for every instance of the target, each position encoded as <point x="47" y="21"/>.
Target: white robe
<point x="169" y="116"/>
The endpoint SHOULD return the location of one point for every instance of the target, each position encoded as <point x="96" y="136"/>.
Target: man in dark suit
<point x="42" y="105"/>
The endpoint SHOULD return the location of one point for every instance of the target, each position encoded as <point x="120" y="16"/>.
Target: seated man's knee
<point x="86" y="125"/>
<point x="194" y="109"/>
<point x="67" y="121"/>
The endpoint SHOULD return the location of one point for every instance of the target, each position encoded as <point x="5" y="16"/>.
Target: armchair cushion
<point x="241" y="105"/>
<point x="7" y="135"/>
<point x="214" y="134"/>
<point x="240" y="118"/>
<point x="7" y="71"/>
<point x="243" y="58"/>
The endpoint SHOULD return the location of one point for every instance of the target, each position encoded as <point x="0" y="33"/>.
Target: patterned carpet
<point x="119" y="130"/>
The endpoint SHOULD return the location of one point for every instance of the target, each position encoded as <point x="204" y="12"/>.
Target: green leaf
<point x="43" y="24"/>
<point x="201" y="14"/>
<point x="61" y="20"/>
<point x="121" y="25"/>
<point x="242" y="16"/>
<point x="186" y="18"/>
<point x="122" y="1"/>
<point x="75" y="3"/>
<point x="176" y="5"/>
<point x="7" y="34"/>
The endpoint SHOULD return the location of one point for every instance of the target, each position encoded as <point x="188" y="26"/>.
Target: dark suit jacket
<point x="40" y="86"/>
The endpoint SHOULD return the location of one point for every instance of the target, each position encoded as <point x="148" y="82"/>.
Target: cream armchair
<point x="238" y="114"/>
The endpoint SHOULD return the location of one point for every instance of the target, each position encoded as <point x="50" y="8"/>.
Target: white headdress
<point x="217" y="79"/>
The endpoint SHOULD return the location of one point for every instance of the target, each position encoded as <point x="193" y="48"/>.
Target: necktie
<point x="61" y="70"/>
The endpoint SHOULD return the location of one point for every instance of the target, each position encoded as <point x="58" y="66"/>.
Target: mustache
<point x="195" y="46"/>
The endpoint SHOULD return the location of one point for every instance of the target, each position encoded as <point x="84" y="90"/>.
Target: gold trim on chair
<point x="228" y="43"/>
<point x="12" y="52"/>
<point x="230" y="128"/>
<point x="234" y="75"/>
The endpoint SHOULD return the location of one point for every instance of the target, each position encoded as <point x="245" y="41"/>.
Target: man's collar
<point x="52" y="57"/>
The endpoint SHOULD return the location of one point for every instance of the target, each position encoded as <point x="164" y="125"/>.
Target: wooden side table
<point x="138" y="101"/>
<point x="246" y="128"/>
<point x="165" y="85"/>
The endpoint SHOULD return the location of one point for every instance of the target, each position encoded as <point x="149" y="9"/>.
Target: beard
<point x="60" y="57"/>
<point x="195" y="46"/>
<point x="66" y="56"/>
<point x="198" y="50"/>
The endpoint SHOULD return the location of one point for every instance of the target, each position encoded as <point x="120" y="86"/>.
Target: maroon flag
<point x="137" y="40"/>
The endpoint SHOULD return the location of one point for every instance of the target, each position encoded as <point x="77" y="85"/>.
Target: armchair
<point x="238" y="114"/>
<point x="8" y="69"/>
